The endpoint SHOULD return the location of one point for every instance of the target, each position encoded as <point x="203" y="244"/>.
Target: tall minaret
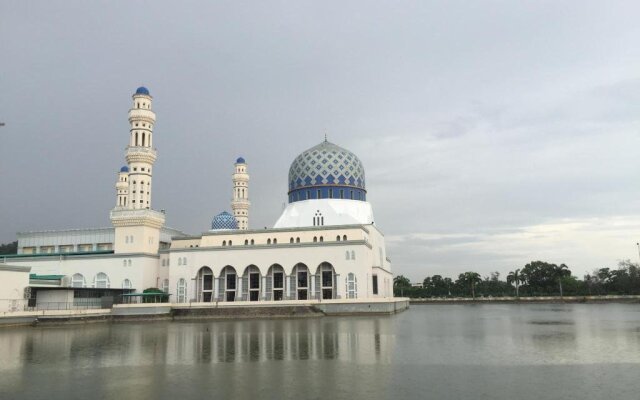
<point x="137" y="226"/>
<point x="122" y="188"/>
<point x="240" y="203"/>
<point x="140" y="153"/>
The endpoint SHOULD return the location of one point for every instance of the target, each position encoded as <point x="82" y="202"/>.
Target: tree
<point x="9" y="248"/>
<point x="515" y="278"/>
<point x="401" y="281"/>
<point x="470" y="279"/>
<point x="560" y="272"/>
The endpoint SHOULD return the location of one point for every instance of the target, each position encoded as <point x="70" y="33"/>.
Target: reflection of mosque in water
<point x="356" y="340"/>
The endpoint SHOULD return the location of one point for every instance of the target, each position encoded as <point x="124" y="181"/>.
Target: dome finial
<point x="325" y="135"/>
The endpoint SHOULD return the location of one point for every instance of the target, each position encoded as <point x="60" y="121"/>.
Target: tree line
<point x="537" y="278"/>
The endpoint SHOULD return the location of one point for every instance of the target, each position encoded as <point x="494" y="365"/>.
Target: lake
<point x="488" y="351"/>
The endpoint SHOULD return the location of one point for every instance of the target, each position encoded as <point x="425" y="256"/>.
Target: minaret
<point x="240" y="203"/>
<point x="137" y="226"/>
<point x="122" y="188"/>
<point x="140" y="153"/>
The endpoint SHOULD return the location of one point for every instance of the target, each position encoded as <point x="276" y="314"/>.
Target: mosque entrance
<point x="275" y="283"/>
<point x="204" y="285"/>
<point x="300" y="282"/>
<point x="325" y="281"/>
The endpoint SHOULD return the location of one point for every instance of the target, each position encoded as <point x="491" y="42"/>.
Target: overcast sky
<point x="493" y="133"/>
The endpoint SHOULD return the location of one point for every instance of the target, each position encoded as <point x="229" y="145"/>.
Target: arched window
<point x="338" y="238"/>
<point x="297" y="240"/>
<point x="129" y="263"/>
<point x="136" y="140"/>
<point x="268" y="241"/>
<point x="179" y="261"/>
<point x="184" y="260"/>
<point x="346" y="254"/>
<point x="291" y="240"/>
<point x="77" y="280"/>
<point x="344" y="237"/>
<point x="252" y="241"/>
<point x="321" y="239"/>
<point x="230" y="243"/>
<point x="126" y="284"/>
<point x="275" y="241"/>
<point x="101" y="280"/>
<point x="353" y="254"/>
<point x="182" y="290"/>
<point x="315" y="239"/>
<point x="246" y="242"/>
<point x="352" y="286"/>
<point x="165" y="286"/>
<point x="124" y="263"/>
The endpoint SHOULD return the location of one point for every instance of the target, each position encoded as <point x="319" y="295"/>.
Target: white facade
<point x="322" y="247"/>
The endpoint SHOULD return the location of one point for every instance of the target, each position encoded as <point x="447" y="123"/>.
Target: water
<point x="429" y="352"/>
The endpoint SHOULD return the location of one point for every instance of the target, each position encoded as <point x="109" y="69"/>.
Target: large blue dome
<point x="142" y="90"/>
<point x="326" y="171"/>
<point x="224" y="220"/>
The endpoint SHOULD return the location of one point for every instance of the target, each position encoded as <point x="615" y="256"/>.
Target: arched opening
<point x="227" y="284"/>
<point x="338" y="238"/>
<point x="275" y="241"/>
<point x="275" y="283"/>
<point x="268" y="241"/>
<point x="126" y="284"/>
<point x="315" y="239"/>
<point x="325" y="281"/>
<point x="352" y="286"/>
<point x="101" y="280"/>
<point x="77" y="280"/>
<point x="291" y="240"/>
<point x="297" y="240"/>
<point x="204" y="285"/>
<point x="251" y="283"/>
<point x="344" y="237"/>
<point x="182" y="291"/>
<point x="300" y="282"/>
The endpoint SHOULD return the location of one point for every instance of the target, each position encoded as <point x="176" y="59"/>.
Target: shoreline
<point x="123" y="313"/>
<point x="625" y="299"/>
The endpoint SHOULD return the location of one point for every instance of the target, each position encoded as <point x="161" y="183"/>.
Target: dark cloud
<point x="471" y="118"/>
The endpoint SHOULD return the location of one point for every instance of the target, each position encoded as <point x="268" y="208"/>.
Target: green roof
<point x="45" y="277"/>
<point x="147" y="294"/>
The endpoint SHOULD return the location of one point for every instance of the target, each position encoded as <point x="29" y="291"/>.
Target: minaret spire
<point x="240" y="203"/>
<point x="140" y="153"/>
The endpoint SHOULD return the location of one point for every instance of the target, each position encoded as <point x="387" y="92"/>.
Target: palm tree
<point x="515" y="278"/>
<point x="560" y="272"/>
<point x="472" y="278"/>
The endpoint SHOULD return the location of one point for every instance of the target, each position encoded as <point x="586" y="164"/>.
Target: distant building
<point x="323" y="246"/>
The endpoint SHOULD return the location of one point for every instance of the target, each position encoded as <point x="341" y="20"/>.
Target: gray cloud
<point x="473" y="120"/>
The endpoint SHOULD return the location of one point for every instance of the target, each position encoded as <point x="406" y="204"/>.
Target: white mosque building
<point x="324" y="245"/>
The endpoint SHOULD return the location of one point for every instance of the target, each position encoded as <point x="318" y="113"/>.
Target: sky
<point x="493" y="133"/>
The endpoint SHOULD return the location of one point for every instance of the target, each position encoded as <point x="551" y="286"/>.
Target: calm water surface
<point x="429" y="352"/>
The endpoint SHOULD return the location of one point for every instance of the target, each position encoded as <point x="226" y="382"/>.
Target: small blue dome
<point x="124" y="169"/>
<point x="142" y="90"/>
<point x="240" y="160"/>
<point x="224" y="221"/>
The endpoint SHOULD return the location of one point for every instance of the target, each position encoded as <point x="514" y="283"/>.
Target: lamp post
<point x="638" y="245"/>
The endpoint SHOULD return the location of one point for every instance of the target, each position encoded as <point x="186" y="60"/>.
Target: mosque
<point x="324" y="245"/>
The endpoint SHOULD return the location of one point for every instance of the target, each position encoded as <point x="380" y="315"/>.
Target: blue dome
<point x="240" y="160"/>
<point x="326" y="171"/>
<point x="224" y="220"/>
<point x="142" y="90"/>
<point x="124" y="169"/>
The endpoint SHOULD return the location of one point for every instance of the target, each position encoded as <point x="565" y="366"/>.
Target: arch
<point x="224" y="242"/>
<point x="101" y="280"/>
<point x="351" y="284"/>
<point x="275" y="283"/>
<point x="291" y="240"/>
<point x="268" y="241"/>
<point x="181" y="291"/>
<point x="179" y="260"/>
<point x="129" y="262"/>
<point x="321" y="239"/>
<point x="136" y="142"/>
<point x="300" y="284"/>
<point x="144" y="137"/>
<point x="353" y="254"/>
<point x="230" y="243"/>
<point x="315" y="239"/>
<point x="346" y="255"/>
<point x="77" y="280"/>
<point x="338" y="238"/>
<point x="251" y="283"/>
<point x="275" y="240"/>
<point x="252" y="242"/>
<point x="227" y="284"/>
<point x="246" y="242"/>
<point x="204" y="285"/>
<point x="297" y="240"/>
<point x="126" y="284"/>
<point x="325" y="281"/>
<point x="344" y="237"/>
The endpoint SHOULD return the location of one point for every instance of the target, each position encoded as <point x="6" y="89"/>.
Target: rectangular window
<point x="351" y="194"/>
<point x="302" y="279"/>
<point x="375" y="284"/>
<point x="342" y="193"/>
<point x="254" y="281"/>
<point x="231" y="281"/>
<point x="327" y="278"/>
<point x="319" y="194"/>
<point x="308" y="194"/>
<point x="278" y="280"/>
<point x="331" y="193"/>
